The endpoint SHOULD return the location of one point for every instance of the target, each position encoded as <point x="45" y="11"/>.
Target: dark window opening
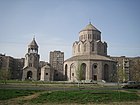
<point x="72" y="74"/>
<point x="95" y="77"/>
<point x="30" y="64"/>
<point x="95" y="66"/>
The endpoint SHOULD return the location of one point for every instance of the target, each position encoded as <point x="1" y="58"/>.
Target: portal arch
<point x="29" y="75"/>
<point x="83" y="69"/>
<point x="66" y="71"/>
<point x="72" y="71"/>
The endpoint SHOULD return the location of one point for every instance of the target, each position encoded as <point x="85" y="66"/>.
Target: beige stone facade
<point x="34" y="69"/>
<point x="90" y="54"/>
<point x="47" y="73"/>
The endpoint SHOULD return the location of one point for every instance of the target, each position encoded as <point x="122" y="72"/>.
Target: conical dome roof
<point x="33" y="43"/>
<point x="89" y="27"/>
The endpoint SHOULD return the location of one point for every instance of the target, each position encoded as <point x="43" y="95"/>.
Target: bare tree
<point x="79" y="74"/>
<point x="121" y="75"/>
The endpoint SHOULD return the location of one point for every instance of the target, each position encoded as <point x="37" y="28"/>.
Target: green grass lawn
<point x="85" y="96"/>
<point x="12" y="93"/>
<point x="77" y="96"/>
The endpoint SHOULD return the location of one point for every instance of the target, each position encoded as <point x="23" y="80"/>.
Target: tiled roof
<point x="33" y="43"/>
<point x="89" y="57"/>
<point x="90" y="27"/>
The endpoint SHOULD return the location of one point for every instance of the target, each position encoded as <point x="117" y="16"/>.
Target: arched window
<point x="94" y="71"/>
<point x="88" y="36"/>
<point x="72" y="71"/>
<point x="82" y="37"/>
<point x="99" y="47"/>
<point x="105" y="48"/>
<point x="92" y="46"/>
<point x="85" y="47"/>
<point x="83" y="69"/>
<point x="79" y="47"/>
<point x="66" y="69"/>
<point x="31" y="57"/>
<point x="106" y="72"/>
<point x="29" y="75"/>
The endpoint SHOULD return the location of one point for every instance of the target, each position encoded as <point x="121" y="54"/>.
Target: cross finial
<point x="34" y="37"/>
<point x="89" y="21"/>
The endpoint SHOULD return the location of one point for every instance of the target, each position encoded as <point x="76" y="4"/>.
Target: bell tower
<point x="30" y="70"/>
<point x="32" y="57"/>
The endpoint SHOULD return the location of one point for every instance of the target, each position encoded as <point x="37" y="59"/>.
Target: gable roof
<point x="33" y="43"/>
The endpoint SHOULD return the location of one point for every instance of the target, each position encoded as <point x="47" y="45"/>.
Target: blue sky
<point x="56" y="24"/>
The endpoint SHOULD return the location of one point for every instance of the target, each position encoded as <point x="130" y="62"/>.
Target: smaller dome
<point x="89" y="27"/>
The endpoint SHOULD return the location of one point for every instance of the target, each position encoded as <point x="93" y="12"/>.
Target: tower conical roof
<point x="90" y="27"/>
<point x="33" y="43"/>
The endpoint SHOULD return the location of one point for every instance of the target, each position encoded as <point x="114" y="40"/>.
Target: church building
<point x="31" y="65"/>
<point x="89" y="62"/>
<point x="90" y="55"/>
<point x="34" y="69"/>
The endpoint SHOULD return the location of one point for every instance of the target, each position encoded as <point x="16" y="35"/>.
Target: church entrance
<point x="94" y="71"/>
<point x="29" y="75"/>
<point x="95" y="77"/>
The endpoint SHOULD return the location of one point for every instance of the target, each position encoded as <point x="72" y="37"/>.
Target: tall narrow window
<point x="90" y="36"/>
<point x="66" y="69"/>
<point x="31" y="58"/>
<point x="30" y="64"/>
<point x="79" y="48"/>
<point x="104" y="49"/>
<point x="92" y="46"/>
<point x="106" y="72"/>
<point x="80" y="37"/>
<point x="85" y="46"/>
